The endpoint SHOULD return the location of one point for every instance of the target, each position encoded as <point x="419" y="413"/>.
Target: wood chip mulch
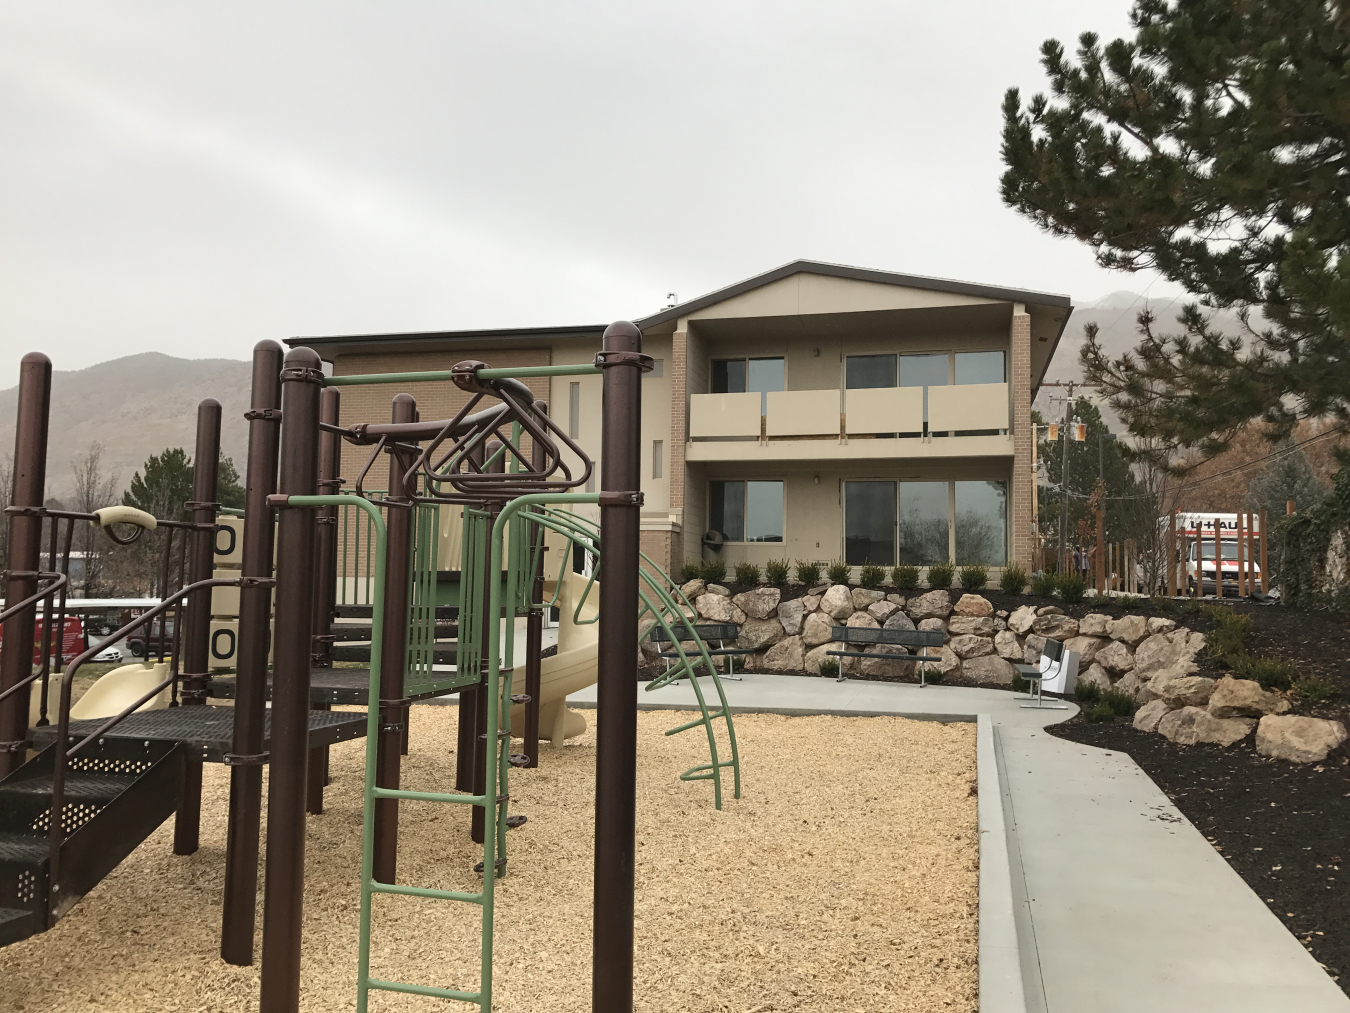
<point x="846" y="878"/>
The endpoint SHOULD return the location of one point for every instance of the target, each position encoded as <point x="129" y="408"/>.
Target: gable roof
<point x="856" y="274"/>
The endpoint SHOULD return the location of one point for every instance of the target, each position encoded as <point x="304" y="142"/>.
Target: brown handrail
<point x="59" y="580"/>
<point x="62" y="754"/>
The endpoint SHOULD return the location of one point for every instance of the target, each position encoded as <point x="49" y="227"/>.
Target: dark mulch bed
<point x="1284" y="827"/>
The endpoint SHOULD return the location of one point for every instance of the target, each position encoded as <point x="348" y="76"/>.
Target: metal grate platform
<point x="208" y="730"/>
<point x="344" y="686"/>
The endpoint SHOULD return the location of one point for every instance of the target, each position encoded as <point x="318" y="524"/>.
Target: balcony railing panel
<point x="884" y="410"/>
<point x="803" y="413"/>
<point x="724" y="415"/>
<point x="965" y="406"/>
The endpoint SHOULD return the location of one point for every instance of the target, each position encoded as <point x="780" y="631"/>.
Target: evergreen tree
<point x="1287" y="477"/>
<point x="1210" y="147"/>
<point x="1098" y="456"/>
<point x="162" y="486"/>
<point x="229" y="489"/>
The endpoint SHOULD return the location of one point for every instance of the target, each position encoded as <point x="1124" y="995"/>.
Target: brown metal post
<point x="534" y="623"/>
<point x="197" y="632"/>
<point x="616" y="714"/>
<point x="250" y="684"/>
<point x="325" y="581"/>
<point x="468" y="695"/>
<point x="1289" y="508"/>
<point x="25" y="551"/>
<point x="393" y="650"/>
<point x="284" y="893"/>
<point x="1241" y="554"/>
<point x="1101" y="549"/>
<point x="478" y="817"/>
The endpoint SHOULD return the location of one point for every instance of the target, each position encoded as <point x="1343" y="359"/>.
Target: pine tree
<point x="1210" y="147"/>
<point x="1287" y="477"/>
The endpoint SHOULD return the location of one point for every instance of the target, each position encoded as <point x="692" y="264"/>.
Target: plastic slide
<point x="120" y="688"/>
<point x="571" y="669"/>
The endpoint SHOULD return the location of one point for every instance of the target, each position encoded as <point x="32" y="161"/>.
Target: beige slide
<point x="571" y="669"/>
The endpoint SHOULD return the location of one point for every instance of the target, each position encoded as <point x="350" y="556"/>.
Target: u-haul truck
<point x="1195" y="536"/>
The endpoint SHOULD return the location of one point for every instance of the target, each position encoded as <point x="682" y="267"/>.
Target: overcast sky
<point x="190" y="178"/>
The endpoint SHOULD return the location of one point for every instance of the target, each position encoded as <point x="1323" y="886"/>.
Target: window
<point x="926" y="370"/>
<point x="657" y="447"/>
<point x="862" y="371"/>
<point x="981" y="523"/>
<point x="574" y="409"/>
<point x="980" y="367"/>
<point x="746" y="511"/>
<point x="869" y="523"/>
<point x="923" y="530"/>
<point x="743" y="376"/>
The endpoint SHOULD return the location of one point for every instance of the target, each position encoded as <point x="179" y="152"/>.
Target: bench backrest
<point x="709" y="631"/>
<point x="867" y="635"/>
<point x="1053" y="649"/>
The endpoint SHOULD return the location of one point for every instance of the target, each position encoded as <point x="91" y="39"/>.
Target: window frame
<point x="745" y="509"/>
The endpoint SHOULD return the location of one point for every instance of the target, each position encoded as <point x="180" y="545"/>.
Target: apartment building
<point x="814" y="412"/>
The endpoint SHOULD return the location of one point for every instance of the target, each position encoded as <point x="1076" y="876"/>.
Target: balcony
<point x="875" y="422"/>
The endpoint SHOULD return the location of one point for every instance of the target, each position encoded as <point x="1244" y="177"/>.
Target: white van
<point x="1195" y="536"/>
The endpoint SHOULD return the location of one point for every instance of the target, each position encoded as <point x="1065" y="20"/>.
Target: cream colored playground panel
<point x="573" y="668"/>
<point x="229" y="545"/>
<point x="223" y="646"/>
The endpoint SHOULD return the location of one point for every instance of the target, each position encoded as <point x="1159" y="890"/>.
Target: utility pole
<point x="1069" y="386"/>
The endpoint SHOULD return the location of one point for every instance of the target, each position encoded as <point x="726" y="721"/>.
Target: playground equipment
<point x="498" y="465"/>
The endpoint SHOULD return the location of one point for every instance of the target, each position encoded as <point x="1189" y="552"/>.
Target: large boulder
<point x="759" y="602"/>
<point x="1096" y="676"/>
<point x="1094" y="624"/>
<point x="973" y="605"/>
<point x="882" y="610"/>
<point x="810" y="602"/>
<point x="1131" y="685"/>
<point x="927" y="625"/>
<point x="837" y="602"/>
<point x="896" y="599"/>
<point x="1174" y="652"/>
<point x="1086" y="646"/>
<point x="1129" y="629"/>
<point x="1146" y="718"/>
<point x="1055" y="627"/>
<point x="1007" y="646"/>
<point x="970" y="646"/>
<point x="1191" y="725"/>
<point x="861" y="620"/>
<point x="989" y="669"/>
<point x="718" y="609"/>
<point x="786" y="655"/>
<point x="1049" y="610"/>
<point x="1298" y="739"/>
<point x="950" y="662"/>
<point x="817" y="629"/>
<point x="933" y="605"/>
<point x="899" y="621"/>
<point x="1160" y="625"/>
<point x="980" y="626"/>
<point x="1244" y="698"/>
<point x="791" y="614"/>
<point x="1032" y="648"/>
<point x="719" y="589"/>
<point x="865" y="597"/>
<point x="694" y="588"/>
<point x="758" y="634"/>
<point x="1021" y="619"/>
<point x="645" y="646"/>
<point x="1186" y="691"/>
<point x="882" y="662"/>
<point x="813" y="658"/>
<point x="1116" y="657"/>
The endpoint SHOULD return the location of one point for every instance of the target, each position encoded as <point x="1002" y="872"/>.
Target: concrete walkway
<point x="1120" y="904"/>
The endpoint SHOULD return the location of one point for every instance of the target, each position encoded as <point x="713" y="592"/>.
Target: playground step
<point x="361" y="632"/>
<point x="518" y="760"/>
<point x="363" y="612"/>
<point x="15" y="924"/>
<point x="516" y="821"/>
<point x="346" y="652"/>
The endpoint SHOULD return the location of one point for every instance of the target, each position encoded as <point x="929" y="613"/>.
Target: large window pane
<point x="928" y="370"/>
<point x="764" y="375"/>
<point x="979" y="367"/>
<point x="763" y="511"/>
<point x="726" y="509"/>
<point x="861" y="371"/>
<point x="923" y="523"/>
<point x="728" y="376"/>
<point x="982" y="523"/>
<point x="869" y="523"/>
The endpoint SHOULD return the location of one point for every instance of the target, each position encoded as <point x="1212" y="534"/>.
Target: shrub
<point x="714" y="571"/>
<point x="1099" y="714"/>
<point x="1071" y="587"/>
<point x="808" y="573"/>
<point x="691" y="570"/>
<point x="1120" y="703"/>
<point x="905" y="577"/>
<point x="1044" y="585"/>
<point x="1087" y="692"/>
<point x="776" y="572"/>
<point x="829" y="669"/>
<point x="871" y="576"/>
<point x="1013" y="580"/>
<point x="973" y="578"/>
<point x="934" y="675"/>
<point x="747" y="573"/>
<point x="940" y="576"/>
<point x="1271" y="673"/>
<point x="1162" y="603"/>
<point x="1229" y="635"/>
<point x="1130" y="601"/>
<point x="838" y="572"/>
<point x="1313" y="689"/>
<point x="1019" y="685"/>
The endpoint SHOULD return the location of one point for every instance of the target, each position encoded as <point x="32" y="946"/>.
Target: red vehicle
<point x="72" y="643"/>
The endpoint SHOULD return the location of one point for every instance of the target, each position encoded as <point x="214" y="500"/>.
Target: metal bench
<point x="901" y="638"/>
<point x="720" y="632"/>
<point x="1058" y="667"/>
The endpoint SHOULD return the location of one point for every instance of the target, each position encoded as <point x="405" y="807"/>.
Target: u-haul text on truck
<point x="1201" y="549"/>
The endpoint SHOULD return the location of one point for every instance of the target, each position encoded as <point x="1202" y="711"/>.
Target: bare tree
<point x="93" y="490"/>
<point x="6" y="498"/>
